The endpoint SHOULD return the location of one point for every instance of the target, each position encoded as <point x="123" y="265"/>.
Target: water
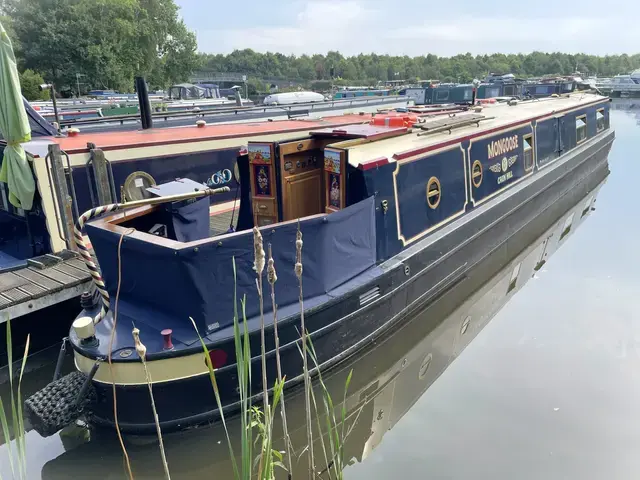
<point x="548" y="389"/>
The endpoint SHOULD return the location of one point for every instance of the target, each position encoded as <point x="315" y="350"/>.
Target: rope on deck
<point x="86" y="256"/>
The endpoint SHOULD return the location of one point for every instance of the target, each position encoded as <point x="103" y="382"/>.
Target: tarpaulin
<point x="162" y="284"/>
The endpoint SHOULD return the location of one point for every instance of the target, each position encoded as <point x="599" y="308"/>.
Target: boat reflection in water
<point x="629" y="105"/>
<point x="387" y="379"/>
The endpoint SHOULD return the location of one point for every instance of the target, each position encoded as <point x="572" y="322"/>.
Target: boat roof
<point x="191" y="133"/>
<point x="497" y="116"/>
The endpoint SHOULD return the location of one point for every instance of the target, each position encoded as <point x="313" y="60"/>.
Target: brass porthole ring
<point x="476" y="174"/>
<point x="434" y="193"/>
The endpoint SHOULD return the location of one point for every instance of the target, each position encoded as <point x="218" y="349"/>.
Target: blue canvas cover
<point x="187" y="220"/>
<point x="163" y="287"/>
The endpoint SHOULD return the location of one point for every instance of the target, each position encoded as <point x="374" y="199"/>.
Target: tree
<point x="30" y="82"/>
<point x="108" y="41"/>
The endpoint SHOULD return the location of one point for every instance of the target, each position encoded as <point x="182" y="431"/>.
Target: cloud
<point x="317" y="27"/>
<point x="355" y="26"/>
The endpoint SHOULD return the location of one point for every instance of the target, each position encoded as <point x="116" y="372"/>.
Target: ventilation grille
<point x="369" y="296"/>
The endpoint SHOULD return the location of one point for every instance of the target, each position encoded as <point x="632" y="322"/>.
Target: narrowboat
<point x="360" y="92"/>
<point x="440" y="94"/>
<point x="388" y="377"/>
<point x="548" y="88"/>
<point x="367" y="225"/>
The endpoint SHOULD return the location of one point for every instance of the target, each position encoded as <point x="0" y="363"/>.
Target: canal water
<point x="548" y="386"/>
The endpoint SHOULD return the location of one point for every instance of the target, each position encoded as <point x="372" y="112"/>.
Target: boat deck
<point x="44" y="281"/>
<point x="496" y="116"/>
<point x="173" y="135"/>
<point x="221" y="219"/>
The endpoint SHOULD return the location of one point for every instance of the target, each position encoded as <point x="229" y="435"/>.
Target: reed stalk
<point x="216" y="393"/>
<point x="269" y="458"/>
<point x="272" y="278"/>
<point x="142" y="353"/>
<point x="259" y="257"/>
<point x="17" y="461"/>
<point x="335" y="429"/>
<point x="337" y="436"/>
<point x="305" y="367"/>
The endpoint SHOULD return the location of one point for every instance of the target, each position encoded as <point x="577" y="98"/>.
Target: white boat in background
<point x="290" y="98"/>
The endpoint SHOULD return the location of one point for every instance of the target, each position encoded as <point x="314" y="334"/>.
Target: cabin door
<point x="302" y="179"/>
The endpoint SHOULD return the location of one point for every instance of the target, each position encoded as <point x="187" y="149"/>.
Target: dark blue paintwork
<point x="415" y="215"/>
<point x="554" y="136"/>
<point x="501" y="170"/>
<point x="215" y="168"/>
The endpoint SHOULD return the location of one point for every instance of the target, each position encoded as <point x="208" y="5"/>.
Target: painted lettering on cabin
<point x="502" y="146"/>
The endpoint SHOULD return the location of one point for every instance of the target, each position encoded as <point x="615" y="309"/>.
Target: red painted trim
<point x="419" y="151"/>
<point x="370" y="164"/>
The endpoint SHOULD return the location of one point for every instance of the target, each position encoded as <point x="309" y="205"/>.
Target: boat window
<point x="587" y="206"/>
<point x="600" y="122"/>
<point x="528" y="152"/>
<point x="567" y="226"/>
<point x="509" y="90"/>
<point x="442" y="95"/>
<point x="581" y="128"/>
<point x="468" y="95"/>
<point x="433" y="192"/>
<point x="514" y="277"/>
<point x="492" y="92"/>
<point x="476" y="173"/>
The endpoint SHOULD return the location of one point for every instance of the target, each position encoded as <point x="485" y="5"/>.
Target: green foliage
<point x="369" y="68"/>
<point x="107" y="41"/>
<point x="334" y="430"/>
<point x="17" y="459"/>
<point x="30" y="82"/>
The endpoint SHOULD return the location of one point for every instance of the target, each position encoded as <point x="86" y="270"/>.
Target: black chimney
<point x="143" y="100"/>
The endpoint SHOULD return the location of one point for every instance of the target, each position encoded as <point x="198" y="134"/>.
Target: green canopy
<point x="14" y="125"/>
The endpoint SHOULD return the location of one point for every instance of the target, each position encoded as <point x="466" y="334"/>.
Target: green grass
<point x="16" y="448"/>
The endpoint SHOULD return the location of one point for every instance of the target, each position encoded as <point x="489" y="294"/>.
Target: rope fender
<point x="86" y="256"/>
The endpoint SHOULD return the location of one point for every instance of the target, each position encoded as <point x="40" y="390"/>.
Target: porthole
<point x="476" y="174"/>
<point x="434" y="193"/>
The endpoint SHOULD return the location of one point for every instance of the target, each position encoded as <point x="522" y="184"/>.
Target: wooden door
<point x="303" y="195"/>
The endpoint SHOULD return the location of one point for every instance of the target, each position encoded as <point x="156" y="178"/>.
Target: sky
<point x="414" y="27"/>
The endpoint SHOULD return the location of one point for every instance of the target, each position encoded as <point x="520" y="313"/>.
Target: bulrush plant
<point x="253" y="418"/>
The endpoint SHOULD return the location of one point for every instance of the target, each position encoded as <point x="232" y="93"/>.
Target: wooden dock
<point x="44" y="281"/>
